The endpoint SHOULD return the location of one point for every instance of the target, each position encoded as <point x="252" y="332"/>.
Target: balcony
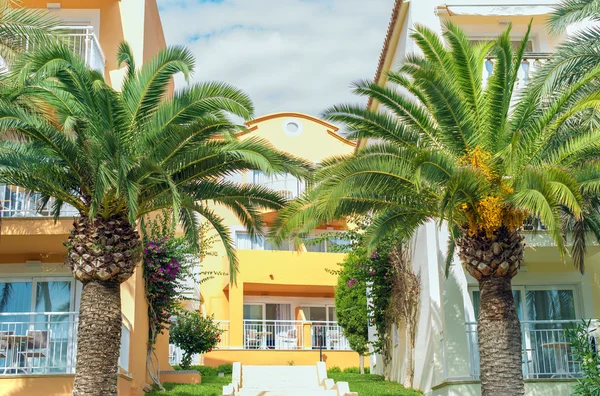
<point x="286" y="184"/>
<point x="18" y="202"/>
<point x="301" y="273"/>
<point x="82" y="41"/>
<point x="531" y="63"/>
<point x="546" y="349"/>
<point x="293" y="335"/>
<point x="38" y="343"/>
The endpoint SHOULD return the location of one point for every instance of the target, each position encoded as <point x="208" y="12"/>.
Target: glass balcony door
<point x="545" y="312"/>
<point x="37" y="324"/>
<point x="267" y="325"/>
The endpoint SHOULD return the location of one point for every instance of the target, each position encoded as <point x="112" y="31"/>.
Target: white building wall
<point x="442" y="351"/>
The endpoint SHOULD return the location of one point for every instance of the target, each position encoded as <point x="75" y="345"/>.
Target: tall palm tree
<point x="119" y="156"/>
<point x="453" y="147"/>
<point x="21" y="28"/>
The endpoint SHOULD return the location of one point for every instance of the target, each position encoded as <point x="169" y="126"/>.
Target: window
<point x="285" y="183"/>
<point x="325" y="313"/>
<point x="540" y="303"/>
<point x="267" y="312"/>
<point x="36" y="296"/>
<point x="286" y="245"/>
<point x="32" y="305"/>
<point x="292" y="127"/>
<point x="329" y="245"/>
<point x="244" y="242"/>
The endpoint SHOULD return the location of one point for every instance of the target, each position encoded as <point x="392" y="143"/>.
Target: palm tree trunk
<point x="98" y="339"/>
<point x="102" y="254"/>
<point x="494" y="260"/>
<point x="499" y="333"/>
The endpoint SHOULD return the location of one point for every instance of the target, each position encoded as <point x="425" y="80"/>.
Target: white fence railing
<point x="18" y="202"/>
<point x="290" y="334"/>
<point x="82" y="40"/>
<point x="328" y="335"/>
<point x="546" y="349"/>
<point x="34" y="343"/>
<point x="530" y="64"/>
<point x="273" y="334"/>
<point x="38" y="343"/>
<point x="286" y="184"/>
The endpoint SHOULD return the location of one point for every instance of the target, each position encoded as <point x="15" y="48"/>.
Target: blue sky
<point x="289" y="55"/>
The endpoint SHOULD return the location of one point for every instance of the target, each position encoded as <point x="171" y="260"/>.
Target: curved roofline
<point x="292" y="114"/>
<point x="331" y="129"/>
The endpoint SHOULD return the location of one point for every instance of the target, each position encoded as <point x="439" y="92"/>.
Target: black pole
<point x="321" y="344"/>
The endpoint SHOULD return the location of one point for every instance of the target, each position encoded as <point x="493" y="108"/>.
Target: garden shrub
<point x="584" y="346"/>
<point x="194" y="333"/>
<point x="226" y="368"/>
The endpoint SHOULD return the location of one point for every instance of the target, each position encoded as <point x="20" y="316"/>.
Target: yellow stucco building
<point x="281" y="310"/>
<point x="37" y="289"/>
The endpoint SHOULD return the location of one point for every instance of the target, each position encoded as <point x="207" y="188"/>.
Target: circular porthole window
<point x="292" y="127"/>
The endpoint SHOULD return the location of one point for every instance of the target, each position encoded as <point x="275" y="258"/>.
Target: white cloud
<point x="289" y="55"/>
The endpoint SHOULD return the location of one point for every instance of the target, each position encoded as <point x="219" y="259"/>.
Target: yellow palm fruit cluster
<point x="490" y="214"/>
<point x="479" y="159"/>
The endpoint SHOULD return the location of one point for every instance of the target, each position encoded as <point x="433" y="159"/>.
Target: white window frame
<point x="326" y="306"/>
<point x="255" y="246"/>
<point x="524" y="288"/>
<point x="75" y="289"/>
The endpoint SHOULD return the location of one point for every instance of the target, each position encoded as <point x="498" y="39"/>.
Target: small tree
<point x="194" y="334"/>
<point x="351" y="303"/>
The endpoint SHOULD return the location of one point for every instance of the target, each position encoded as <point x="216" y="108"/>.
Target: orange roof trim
<point x="386" y="43"/>
<point x="331" y="129"/>
<point x="292" y="114"/>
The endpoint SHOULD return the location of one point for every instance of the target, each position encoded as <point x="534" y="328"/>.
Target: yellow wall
<point x="341" y="359"/>
<point x="55" y="385"/>
<point x="137" y="22"/>
<point x="274" y="273"/>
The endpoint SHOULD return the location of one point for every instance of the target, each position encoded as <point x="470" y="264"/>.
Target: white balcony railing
<point x="531" y="62"/>
<point x="273" y="334"/>
<point x="18" y="202"/>
<point x="34" y="343"/>
<point x="286" y="184"/>
<point x="82" y="40"/>
<point x="328" y="335"/>
<point x="289" y="335"/>
<point x="38" y="343"/>
<point x="546" y="349"/>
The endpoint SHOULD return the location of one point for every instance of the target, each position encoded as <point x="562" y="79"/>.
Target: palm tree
<point x="573" y="11"/>
<point x="23" y="27"/>
<point x="119" y="156"/>
<point x="453" y="147"/>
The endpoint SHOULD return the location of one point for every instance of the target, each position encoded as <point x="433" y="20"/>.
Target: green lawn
<point x="365" y="385"/>
<point x="211" y="386"/>
<point x="372" y="385"/>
